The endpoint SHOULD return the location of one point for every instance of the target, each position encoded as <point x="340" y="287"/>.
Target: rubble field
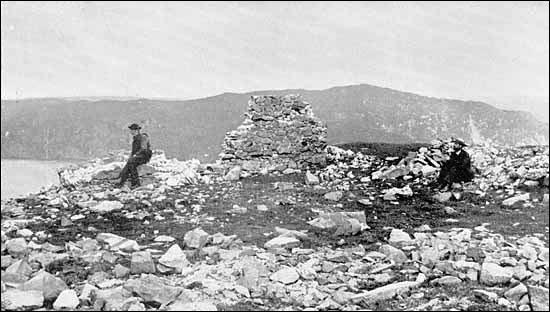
<point x="369" y="231"/>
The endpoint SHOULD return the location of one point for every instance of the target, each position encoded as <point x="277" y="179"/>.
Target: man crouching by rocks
<point x="458" y="168"/>
<point x="141" y="154"/>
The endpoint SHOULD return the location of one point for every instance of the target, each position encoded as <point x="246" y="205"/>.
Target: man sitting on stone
<point x="141" y="154"/>
<point x="458" y="168"/>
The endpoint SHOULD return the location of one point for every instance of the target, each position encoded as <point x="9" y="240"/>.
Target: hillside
<point x="75" y="128"/>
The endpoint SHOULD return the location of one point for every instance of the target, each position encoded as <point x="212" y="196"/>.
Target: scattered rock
<point x="164" y="239"/>
<point x="486" y="296"/>
<point x="116" y="242"/>
<point x="142" y="262"/>
<point x="196" y="238"/>
<point x="174" y="258"/>
<point x="49" y="285"/>
<point x="447" y="281"/>
<point x="513" y="200"/>
<point x="493" y="274"/>
<point x="234" y="174"/>
<point x="399" y="236"/>
<point x="385" y="292"/>
<point x="343" y="222"/>
<point x="16" y="246"/>
<point x="443" y="197"/>
<point x="192" y="306"/>
<point x="334" y="196"/>
<point x="262" y="208"/>
<point x="282" y="241"/>
<point x="515" y="294"/>
<point x="15" y="299"/>
<point x="393" y="253"/>
<point x="286" y="275"/>
<point x="67" y="299"/>
<point x="311" y="179"/>
<point x="153" y="289"/>
<point x="107" y="206"/>
<point x="539" y="298"/>
<point x="120" y="271"/>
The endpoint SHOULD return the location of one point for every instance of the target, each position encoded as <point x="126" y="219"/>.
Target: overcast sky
<point x="496" y="52"/>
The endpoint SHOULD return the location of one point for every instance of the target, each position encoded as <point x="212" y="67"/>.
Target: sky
<point x="492" y="51"/>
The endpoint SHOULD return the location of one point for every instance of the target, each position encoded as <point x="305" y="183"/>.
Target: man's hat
<point x="134" y="126"/>
<point x="460" y="142"/>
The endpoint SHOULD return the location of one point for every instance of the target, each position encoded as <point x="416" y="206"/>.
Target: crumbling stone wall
<point x="278" y="133"/>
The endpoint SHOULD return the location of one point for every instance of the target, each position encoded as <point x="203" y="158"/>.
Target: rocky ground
<point x="368" y="232"/>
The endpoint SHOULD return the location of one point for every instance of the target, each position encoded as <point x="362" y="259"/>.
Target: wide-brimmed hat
<point x="134" y="126"/>
<point x="460" y="142"/>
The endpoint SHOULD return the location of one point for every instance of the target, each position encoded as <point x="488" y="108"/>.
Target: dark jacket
<point x="141" y="147"/>
<point x="457" y="169"/>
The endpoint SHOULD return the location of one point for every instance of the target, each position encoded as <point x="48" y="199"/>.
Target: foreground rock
<point x="15" y="299"/>
<point x="196" y="238"/>
<point x="49" y="285"/>
<point x="285" y="275"/>
<point x="493" y="274"/>
<point x="153" y="289"/>
<point x="174" y="258"/>
<point x="67" y="299"/>
<point x="385" y="292"/>
<point x="142" y="262"/>
<point x="539" y="297"/>
<point x="282" y="242"/>
<point x="342" y="223"/>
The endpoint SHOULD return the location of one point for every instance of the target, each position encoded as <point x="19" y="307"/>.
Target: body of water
<point x="21" y="177"/>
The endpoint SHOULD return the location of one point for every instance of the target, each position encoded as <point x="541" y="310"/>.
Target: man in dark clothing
<point x="458" y="168"/>
<point x="141" y="154"/>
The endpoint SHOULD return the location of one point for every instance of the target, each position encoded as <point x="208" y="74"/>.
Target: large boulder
<point x="49" y="285"/>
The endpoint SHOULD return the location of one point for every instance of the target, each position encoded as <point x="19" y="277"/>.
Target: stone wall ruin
<point x="278" y="133"/>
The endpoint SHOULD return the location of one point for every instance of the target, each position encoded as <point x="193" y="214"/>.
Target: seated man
<point x="141" y="154"/>
<point x="458" y="168"/>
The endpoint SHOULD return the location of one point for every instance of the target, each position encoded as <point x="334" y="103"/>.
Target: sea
<point x="22" y="177"/>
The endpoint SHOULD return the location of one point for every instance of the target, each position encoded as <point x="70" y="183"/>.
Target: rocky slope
<point x="82" y="128"/>
<point x="194" y="238"/>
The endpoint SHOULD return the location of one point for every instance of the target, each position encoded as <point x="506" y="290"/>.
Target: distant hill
<point x="79" y="128"/>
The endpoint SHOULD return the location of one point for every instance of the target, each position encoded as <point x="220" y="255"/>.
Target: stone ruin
<point x="279" y="133"/>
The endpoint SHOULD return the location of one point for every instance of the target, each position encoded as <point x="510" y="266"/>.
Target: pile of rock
<point x="497" y="167"/>
<point x="171" y="172"/>
<point x="279" y="133"/>
<point x="510" y="167"/>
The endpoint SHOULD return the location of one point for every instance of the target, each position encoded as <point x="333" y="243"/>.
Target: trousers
<point x="130" y="169"/>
